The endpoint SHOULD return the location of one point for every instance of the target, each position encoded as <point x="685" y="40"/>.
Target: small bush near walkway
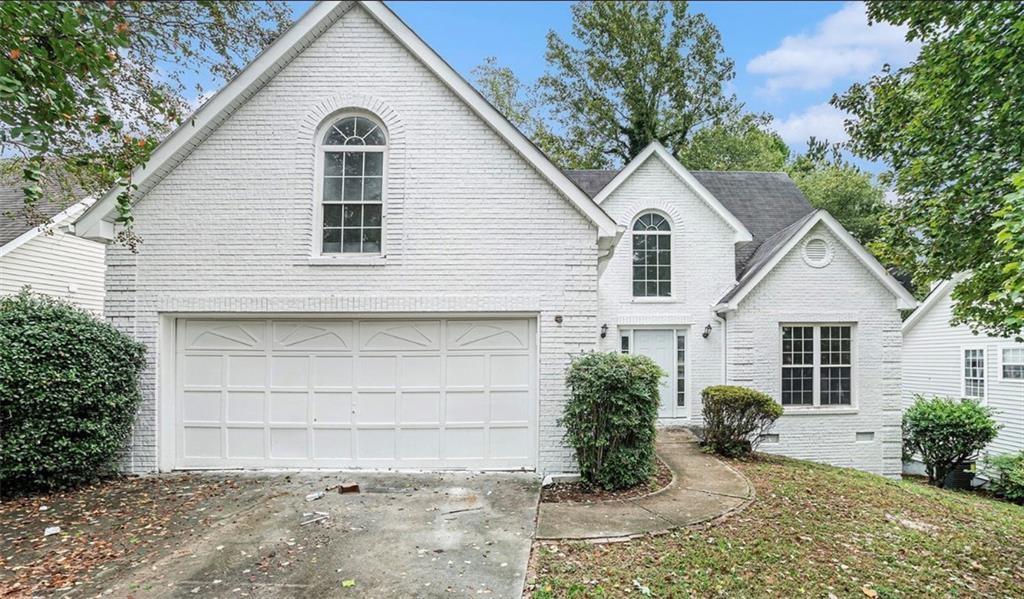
<point x="1008" y="476"/>
<point x="68" y="393"/>
<point x="946" y="433"/>
<point x="736" y="418"/>
<point x="610" y="418"/>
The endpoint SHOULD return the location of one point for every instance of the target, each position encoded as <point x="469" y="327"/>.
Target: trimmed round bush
<point x="610" y="418"/>
<point x="946" y="433"/>
<point x="68" y="394"/>
<point x="736" y="418"/>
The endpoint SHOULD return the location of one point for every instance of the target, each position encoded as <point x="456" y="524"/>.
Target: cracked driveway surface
<point x="409" y="535"/>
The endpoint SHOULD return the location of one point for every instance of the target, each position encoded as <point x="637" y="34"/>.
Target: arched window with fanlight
<point x="652" y="256"/>
<point x="353" y="150"/>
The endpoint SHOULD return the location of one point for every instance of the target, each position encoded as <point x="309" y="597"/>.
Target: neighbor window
<point x="974" y="373"/>
<point x="1013" y="363"/>
<point x="817" y="365"/>
<point x="652" y="256"/>
<point x="352" y="194"/>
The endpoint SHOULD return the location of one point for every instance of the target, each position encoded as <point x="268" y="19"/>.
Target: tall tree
<point x="744" y="143"/>
<point x="641" y="71"/>
<point x="87" y="88"/>
<point x="950" y="127"/>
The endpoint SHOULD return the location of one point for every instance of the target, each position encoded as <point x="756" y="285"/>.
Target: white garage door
<point x="431" y="393"/>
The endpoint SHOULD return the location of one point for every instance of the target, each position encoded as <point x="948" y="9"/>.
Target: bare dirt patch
<point x="578" y="492"/>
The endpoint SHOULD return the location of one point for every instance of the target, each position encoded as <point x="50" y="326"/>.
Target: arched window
<point x="352" y="194"/>
<point x="652" y="256"/>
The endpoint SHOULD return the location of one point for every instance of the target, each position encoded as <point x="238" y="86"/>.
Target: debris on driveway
<point x="345" y="488"/>
<point x="315" y="496"/>
<point x="51" y="530"/>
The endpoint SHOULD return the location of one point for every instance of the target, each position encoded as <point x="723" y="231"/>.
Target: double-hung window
<point x="1013" y="363"/>
<point x="817" y="365"/>
<point x="352" y="190"/>
<point x="974" y="372"/>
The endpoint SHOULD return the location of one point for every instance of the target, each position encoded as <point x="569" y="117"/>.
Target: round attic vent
<point x="817" y="252"/>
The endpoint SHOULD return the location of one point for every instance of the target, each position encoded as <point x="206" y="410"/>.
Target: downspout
<point x="725" y="344"/>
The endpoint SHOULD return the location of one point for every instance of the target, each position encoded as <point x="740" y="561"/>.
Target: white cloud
<point x="822" y="121"/>
<point x="842" y="46"/>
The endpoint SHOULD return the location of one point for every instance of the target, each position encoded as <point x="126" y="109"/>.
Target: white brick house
<point x="350" y="259"/>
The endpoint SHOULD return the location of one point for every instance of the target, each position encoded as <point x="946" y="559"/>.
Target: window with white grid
<point x="1013" y="363"/>
<point x="974" y="373"/>
<point x="817" y="365"/>
<point x="681" y="370"/>
<point x="352" y="193"/>
<point x="652" y="256"/>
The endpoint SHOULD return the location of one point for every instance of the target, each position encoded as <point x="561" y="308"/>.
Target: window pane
<point x="353" y="164"/>
<point x="332" y="215"/>
<point x="665" y="257"/>
<point x="797" y="386"/>
<point x="664" y="288"/>
<point x="353" y="215"/>
<point x="651" y="289"/>
<point x="835" y="385"/>
<point x="371" y="240"/>
<point x="638" y="289"/>
<point x="332" y="241"/>
<point x="352" y="240"/>
<point x="347" y="126"/>
<point x="371" y="215"/>
<point x="334" y="137"/>
<point x="332" y="190"/>
<point x="375" y="138"/>
<point x="333" y="163"/>
<point x="664" y="273"/>
<point x="353" y="189"/>
<point x="371" y="189"/>
<point x="374" y="165"/>
<point x="835" y="345"/>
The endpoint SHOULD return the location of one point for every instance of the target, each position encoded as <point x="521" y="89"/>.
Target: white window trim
<point x="687" y="381"/>
<point x="317" y="255"/>
<point x="999" y="351"/>
<point x="653" y="299"/>
<point x="816" y="407"/>
<point x="984" y="371"/>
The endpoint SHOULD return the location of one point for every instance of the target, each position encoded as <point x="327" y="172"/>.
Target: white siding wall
<point x="470" y="226"/>
<point x="932" y="365"/>
<point x="843" y="292"/>
<point x="703" y="269"/>
<point x="53" y="265"/>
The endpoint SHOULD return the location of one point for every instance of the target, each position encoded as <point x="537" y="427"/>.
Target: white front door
<point x="660" y="346"/>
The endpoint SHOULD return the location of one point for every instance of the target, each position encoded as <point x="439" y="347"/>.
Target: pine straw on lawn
<point x="118" y="521"/>
<point x="812" y="531"/>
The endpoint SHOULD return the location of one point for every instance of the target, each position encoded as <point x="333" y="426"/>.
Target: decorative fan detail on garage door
<point x="214" y="336"/>
<point x="491" y="336"/>
<point x="405" y="334"/>
<point x="312" y="337"/>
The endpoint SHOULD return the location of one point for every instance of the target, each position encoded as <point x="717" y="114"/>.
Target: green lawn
<point x="812" y="531"/>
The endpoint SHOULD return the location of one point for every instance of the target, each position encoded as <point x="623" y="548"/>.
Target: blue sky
<point x="790" y="56"/>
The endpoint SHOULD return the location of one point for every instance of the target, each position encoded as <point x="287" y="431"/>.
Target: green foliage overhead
<point x="610" y="418"/>
<point x="946" y="433"/>
<point x="736" y="418"/>
<point x="739" y="144"/>
<point x="88" y="88"/>
<point x="950" y="126"/>
<point x="68" y="393"/>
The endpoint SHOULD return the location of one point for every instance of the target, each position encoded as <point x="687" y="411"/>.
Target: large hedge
<point x="68" y="393"/>
<point x="610" y="418"/>
<point x="946" y="433"/>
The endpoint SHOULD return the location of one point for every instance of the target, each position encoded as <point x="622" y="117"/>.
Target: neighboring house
<point x="48" y="259"/>
<point x="940" y="359"/>
<point x="350" y="259"/>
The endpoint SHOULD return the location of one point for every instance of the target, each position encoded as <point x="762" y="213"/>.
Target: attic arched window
<point x="352" y="194"/>
<point x="652" y="256"/>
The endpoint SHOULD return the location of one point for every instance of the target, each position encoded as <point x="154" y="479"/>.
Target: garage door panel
<point x="416" y="393"/>
<point x="319" y="335"/>
<point x="384" y="335"/>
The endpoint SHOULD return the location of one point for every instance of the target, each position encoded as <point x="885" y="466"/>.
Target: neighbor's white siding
<point x="932" y="365"/>
<point x="843" y="292"/>
<point x="703" y="270"/>
<point x="470" y="226"/>
<point x="57" y="264"/>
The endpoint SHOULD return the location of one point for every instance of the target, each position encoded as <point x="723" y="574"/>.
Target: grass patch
<point x="813" y="530"/>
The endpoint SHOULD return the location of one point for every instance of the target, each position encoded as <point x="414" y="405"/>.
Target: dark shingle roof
<point x="12" y="211"/>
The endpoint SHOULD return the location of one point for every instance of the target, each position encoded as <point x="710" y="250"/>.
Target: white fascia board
<point x="58" y="219"/>
<point x="904" y="300"/>
<point x="217" y="107"/>
<point x="655" y="148"/>
<point x="224" y="102"/>
<point x="937" y="293"/>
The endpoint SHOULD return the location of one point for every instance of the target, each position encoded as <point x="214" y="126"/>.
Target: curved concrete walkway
<point x="703" y="488"/>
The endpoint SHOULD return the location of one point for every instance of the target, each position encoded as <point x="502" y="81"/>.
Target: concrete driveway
<point x="408" y="535"/>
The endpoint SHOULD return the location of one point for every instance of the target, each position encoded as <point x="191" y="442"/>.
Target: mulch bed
<point x="578" y="492"/>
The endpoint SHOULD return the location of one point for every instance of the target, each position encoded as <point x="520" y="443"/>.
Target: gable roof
<point x="776" y="247"/>
<point x="938" y="292"/>
<point x="301" y="34"/>
<point x="15" y="229"/>
<point x="658" y="150"/>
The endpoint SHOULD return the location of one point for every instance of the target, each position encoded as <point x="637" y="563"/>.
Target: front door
<point x="660" y="346"/>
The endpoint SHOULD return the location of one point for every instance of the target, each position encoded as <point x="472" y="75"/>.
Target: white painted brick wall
<point x="703" y="259"/>
<point x="842" y="292"/>
<point x="470" y="226"/>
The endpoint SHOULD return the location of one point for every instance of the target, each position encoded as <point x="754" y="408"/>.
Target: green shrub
<point x="68" y="393"/>
<point x="736" y="418"/>
<point x="947" y="433"/>
<point x="610" y="418"/>
<point x="1008" y="481"/>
